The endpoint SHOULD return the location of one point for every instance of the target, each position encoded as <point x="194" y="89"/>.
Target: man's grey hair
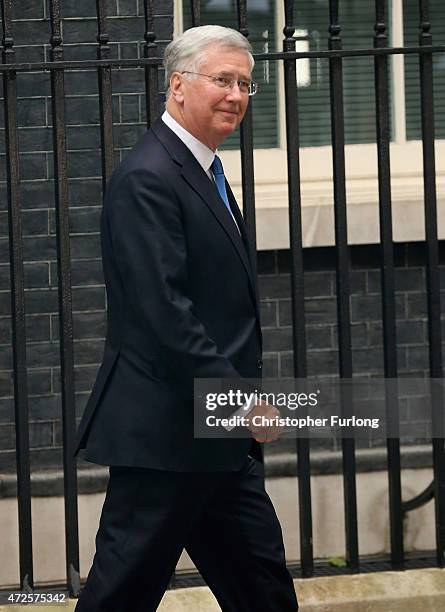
<point x="187" y="52"/>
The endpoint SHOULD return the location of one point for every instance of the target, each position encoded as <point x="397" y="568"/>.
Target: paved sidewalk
<point x="413" y="590"/>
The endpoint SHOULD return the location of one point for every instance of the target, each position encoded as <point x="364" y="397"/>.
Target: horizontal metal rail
<point x="259" y="57"/>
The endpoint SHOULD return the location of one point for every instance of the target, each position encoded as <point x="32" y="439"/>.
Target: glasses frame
<point x="252" y="86"/>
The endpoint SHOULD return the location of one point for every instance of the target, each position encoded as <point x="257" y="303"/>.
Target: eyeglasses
<point x="225" y="82"/>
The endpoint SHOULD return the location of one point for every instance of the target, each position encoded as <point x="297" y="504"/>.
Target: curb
<point x="413" y="590"/>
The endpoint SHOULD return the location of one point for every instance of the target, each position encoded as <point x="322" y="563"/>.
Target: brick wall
<point x="365" y="303"/>
<point x="366" y="323"/>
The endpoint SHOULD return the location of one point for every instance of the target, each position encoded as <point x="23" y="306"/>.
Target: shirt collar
<point x="202" y="153"/>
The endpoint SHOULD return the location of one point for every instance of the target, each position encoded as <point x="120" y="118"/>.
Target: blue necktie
<point x="220" y="181"/>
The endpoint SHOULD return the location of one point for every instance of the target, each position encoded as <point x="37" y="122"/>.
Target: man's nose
<point x="235" y="92"/>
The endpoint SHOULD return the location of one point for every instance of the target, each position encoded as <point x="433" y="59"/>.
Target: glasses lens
<point x="222" y="81"/>
<point x="253" y="88"/>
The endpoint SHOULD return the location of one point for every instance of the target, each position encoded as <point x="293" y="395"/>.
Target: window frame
<point x="361" y="170"/>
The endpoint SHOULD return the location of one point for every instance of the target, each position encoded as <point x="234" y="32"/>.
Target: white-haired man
<point x="181" y="305"/>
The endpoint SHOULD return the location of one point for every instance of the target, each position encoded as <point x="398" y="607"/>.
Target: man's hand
<point x="264" y="433"/>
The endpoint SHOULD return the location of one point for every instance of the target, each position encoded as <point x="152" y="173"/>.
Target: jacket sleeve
<point x="145" y="221"/>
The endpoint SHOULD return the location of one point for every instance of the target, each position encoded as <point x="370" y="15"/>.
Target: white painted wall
<point x="328" y="527"/>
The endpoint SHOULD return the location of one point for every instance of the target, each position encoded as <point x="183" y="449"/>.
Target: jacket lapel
<point x="242" y="227"/>
<point x="195" y="176"/>
<point x="208" y="192"/>
<point x="240" y="220"/>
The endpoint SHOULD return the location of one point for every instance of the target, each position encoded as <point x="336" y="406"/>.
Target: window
<point x="311" y="23"/>
<point x="357" y="29"/>
<point x="311" y="19"/>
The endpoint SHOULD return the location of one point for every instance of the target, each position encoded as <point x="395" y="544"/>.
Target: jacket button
<point x="259" y="364"/>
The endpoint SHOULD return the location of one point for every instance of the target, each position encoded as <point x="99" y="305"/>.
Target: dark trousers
<point x="225" y="521"/>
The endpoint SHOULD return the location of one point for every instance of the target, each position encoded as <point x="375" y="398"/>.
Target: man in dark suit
<point x="182" y="304"/>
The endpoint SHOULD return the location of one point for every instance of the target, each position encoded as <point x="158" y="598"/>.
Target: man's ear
<point x="176" y="87"/>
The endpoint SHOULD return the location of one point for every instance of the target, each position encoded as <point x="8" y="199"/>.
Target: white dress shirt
<point x="203" y="154"/>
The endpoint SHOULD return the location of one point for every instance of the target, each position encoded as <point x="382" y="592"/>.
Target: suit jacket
<point x="182" y="304"/>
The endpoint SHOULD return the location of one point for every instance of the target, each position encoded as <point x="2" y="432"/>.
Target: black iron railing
<point x="151" y="61"/>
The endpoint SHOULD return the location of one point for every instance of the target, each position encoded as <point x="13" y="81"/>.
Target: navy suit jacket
<point x="182" y="304"/>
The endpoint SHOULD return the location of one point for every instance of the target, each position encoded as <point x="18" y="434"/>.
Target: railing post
<point x="105" y="95"/>
<point x="246" y="147"/>
<point x="297" y="283"/>
<point x="342" y="280"/>
<point x="388" y="288"/>
<point x="196" y="12"/>
<point x="65" y="304"/>
<point x="151" y="71"/>
<point x="17" y="305"/>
